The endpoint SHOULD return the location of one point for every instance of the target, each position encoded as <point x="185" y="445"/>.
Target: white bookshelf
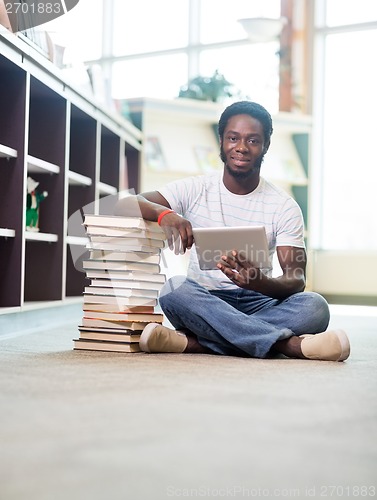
<point x="7" y="152"/>
<point x="37" y="165"/>
<point x="46" y="237"/>
<point x="75" y="150"/>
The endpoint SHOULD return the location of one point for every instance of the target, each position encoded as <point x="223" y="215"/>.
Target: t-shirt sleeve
<point x="290" y="226"/>
<point x="181" y="194"/>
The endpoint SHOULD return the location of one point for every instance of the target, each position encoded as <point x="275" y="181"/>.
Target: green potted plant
<point x="214" y="88"/>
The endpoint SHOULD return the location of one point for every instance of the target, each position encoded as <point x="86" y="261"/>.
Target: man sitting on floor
<point x="238" y="310"/>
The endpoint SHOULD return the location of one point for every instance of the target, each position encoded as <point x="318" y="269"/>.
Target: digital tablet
<point x="213" y="242"/>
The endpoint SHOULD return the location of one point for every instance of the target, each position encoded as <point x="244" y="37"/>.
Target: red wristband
<point x="162" y="214"/>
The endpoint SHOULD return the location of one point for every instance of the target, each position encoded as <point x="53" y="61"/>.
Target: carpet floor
<point x="108" y="426"/>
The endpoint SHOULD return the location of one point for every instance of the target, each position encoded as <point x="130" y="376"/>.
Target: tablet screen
<point x="213" y="242"/>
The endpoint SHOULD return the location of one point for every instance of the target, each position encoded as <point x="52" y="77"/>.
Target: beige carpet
<point x="106" y="426"/>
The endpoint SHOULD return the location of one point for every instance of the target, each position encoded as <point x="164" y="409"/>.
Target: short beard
<point x="242" y="175"/>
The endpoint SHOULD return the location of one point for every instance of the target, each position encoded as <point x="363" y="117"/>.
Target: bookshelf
<point x="77" y="151"/>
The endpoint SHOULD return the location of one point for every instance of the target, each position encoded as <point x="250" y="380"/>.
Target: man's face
<point x="243" y="146"/>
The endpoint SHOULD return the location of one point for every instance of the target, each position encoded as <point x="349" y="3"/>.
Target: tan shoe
<point x="332" y="345"/>
<point x="158" y="338"/>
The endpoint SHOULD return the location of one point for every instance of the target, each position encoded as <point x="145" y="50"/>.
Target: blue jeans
<point x="240" y="322"/>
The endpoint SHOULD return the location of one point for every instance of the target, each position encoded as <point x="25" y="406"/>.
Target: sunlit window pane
<point x="350" y="157"/>
<point x="340" y="12"/>
<point x="219" y="17"/>
<point x="79" y="31"/>
<point x="146" y="26"/>
<point x="253" y="69"/>
<point x="159" y="77"/>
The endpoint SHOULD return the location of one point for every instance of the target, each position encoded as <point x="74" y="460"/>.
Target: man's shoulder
<point x="204" y="180"/>
<point x="273" y="189"/>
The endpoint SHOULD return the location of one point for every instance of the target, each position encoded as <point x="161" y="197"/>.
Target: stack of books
<point x="125" y="280"/>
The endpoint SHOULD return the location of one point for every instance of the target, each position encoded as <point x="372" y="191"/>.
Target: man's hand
<point x="150" y="205"/>
<point x="243" y="273"/>
<point x="178" y="232"/>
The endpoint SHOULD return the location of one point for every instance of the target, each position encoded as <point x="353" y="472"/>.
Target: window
<point x="339" y="12"/>
<point x="79" y="31"/>
<point x="156" y="55"/>
<point x="147" y="26"/>
<point x="219" y="17"/>
<point x="149" y="77"/>
<point x="252" y="69"/>
<point x="345" y="202"/>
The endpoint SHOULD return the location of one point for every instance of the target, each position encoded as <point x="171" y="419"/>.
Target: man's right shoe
<point x="159" y="338"/>
<point x="332" y="345"/>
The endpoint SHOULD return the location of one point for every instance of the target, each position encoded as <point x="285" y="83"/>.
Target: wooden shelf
<point x="76" y="151"/>
<point x="77" y="240"/>
<point x="7" y="233"/>
<point x="49" y="237"/>
<point x="36" y="165"/>
<point x="76" y="179"/>
<point x="7" y="152"/>
<point x="106" y="189"/>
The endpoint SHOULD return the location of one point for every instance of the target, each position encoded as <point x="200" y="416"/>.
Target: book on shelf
<point x="113" y="241"/>
<point x="115" y="308"/>
<point x="150" y="258"/>
<point x="111" y="283"/>
<point x="114" y="324"/>
<point x="113" y="299"/>
<point x="110" y="265"/>
<point x="127" y="275"/>
<point x="120" y="292"/>
<point x="121" y="316"/>
<point x="103" y="345"/>
<point x="121" y="222"/>
<point x="112" y="336"/>
<point x="130" y="232"/>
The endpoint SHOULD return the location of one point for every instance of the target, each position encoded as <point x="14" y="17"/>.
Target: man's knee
<point x="317" y="308"/>
<point x="176" y="288"/>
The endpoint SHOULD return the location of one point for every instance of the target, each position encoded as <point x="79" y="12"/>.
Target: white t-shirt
<point x="206" y="202"/>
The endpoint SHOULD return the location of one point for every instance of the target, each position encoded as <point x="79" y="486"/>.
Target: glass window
<point x="159" y="77"/>
<point x="219" y="17"/>
<point x="146" y="26"/>
<point x="253" y="69"/>
<point x="339" y="12"/>
<point x="79" y="31"/>
<point x="350" y="157"/>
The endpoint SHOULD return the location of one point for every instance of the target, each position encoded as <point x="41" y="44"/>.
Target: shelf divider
<point x="77" y="240"/>
<point x="106" y="188"/>
<point x="7" y="233"/>
<point x="76" y="179"/>
<point x="7" y="152"/>
<point x="37" y="165"/>
<point x="49" y="237"/>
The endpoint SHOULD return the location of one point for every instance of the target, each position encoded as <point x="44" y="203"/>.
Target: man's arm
<point x="150" y="205"/>
<point x="292" y="261"/>
<point x="146" y="205"/>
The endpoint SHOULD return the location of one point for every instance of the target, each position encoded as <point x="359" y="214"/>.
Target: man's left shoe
<point x="332" y="345"/>
<point x="159" y="338"/>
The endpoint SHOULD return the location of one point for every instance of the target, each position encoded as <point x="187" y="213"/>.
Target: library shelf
<point x="76" y="150"/>
<point x="7" y="152"/>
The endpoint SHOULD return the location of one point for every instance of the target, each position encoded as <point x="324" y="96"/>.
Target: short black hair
<point x="247" y="108"/>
